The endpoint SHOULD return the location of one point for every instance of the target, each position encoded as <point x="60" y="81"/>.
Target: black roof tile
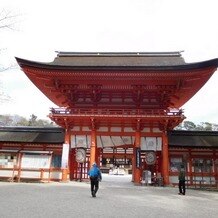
<point x="32" y="134"/>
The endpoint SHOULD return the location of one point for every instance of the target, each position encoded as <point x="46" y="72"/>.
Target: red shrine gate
<point x="123" y="102"/>
<point x="124" y="125"/>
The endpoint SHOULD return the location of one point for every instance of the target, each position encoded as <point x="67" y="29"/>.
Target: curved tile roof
<point x="119" y="60"/>
<point x="194" y="139"/>
<point x="199" y="139"/>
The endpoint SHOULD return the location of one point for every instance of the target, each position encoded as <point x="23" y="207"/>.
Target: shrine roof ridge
<point x="118" y="54"/>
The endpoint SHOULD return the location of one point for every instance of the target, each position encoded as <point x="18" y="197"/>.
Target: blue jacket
<point x="95" y="172"/>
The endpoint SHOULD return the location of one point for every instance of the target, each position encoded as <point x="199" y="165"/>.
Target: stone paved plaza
<point x="117" y="197"/>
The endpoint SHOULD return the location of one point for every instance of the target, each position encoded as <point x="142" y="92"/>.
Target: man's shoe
<point x="93" y="194"/>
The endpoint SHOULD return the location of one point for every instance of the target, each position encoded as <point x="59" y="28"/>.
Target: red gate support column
<point x="215" y="168"/>
<point x="133" y="164"/>
<point x="165" y="159"/>
<point x="93" y="147"/>
<point x="136" y="164"/>
<point x="65" y="169"/>
<point x="98" y="155"/>
<point x="190" y="167"/>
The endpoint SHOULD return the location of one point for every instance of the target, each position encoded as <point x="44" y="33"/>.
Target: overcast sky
<point x="45" y="26"/>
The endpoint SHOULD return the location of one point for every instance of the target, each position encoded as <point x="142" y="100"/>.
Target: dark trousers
<point x="94" y="184"/>
<point x="182" y="187"/>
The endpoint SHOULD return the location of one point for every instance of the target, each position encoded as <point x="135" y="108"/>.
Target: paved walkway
<point x="117" y="197"/>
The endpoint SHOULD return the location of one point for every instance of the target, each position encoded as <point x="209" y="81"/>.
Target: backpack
<point x="94" y="172"/>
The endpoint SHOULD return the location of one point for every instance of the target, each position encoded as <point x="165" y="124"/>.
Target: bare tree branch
<point x="4" y="98"/>
<point x="7" y="20"/>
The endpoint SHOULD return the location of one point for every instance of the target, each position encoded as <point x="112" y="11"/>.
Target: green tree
<point x="6" y="120"/>
<point x="205" y="126"/>
<point x="21" y="121"/>
<point x="189" y="125"/>
<point x="42" y="122"/>
<point x="32" y="120"/>
<point x="179" y="127"/>
<point x="16" y="120"/>
<point x="208" y="126"/>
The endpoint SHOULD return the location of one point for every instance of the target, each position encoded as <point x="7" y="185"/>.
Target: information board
<point x="65" y="156"/>
<point x="35" y="161"/>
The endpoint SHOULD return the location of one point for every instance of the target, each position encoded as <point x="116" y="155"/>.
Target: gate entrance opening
<point x="115" y="158"/>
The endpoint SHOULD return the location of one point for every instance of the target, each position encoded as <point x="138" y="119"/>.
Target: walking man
<point x="181" y="181"/>
<point x="95" y="176"/>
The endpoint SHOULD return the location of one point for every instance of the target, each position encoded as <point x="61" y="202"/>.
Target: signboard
<point x="138" y="157"/>
<point x="35" y="161"/>
<point x="65" y="156"/>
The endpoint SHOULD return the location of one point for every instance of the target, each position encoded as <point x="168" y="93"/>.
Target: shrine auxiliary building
<point x="118" y="108"/>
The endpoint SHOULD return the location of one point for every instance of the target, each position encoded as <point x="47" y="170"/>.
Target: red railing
<point x="116" y="112"/>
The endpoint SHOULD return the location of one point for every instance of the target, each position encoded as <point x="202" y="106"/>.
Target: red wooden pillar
<point x="190" y="167"/>
<point x="98" y="155"/>
<point x="137" y="159"/>
<point x="215" y="168"/>
<point x="65" y="169"/>
<point x="133" y="164"/>
<point x="93" y="148"/>
<point x="20" y="156"/>
<point x="72" y="164"/>
<point x="165" y="159"/>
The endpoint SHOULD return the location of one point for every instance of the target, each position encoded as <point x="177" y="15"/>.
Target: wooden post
<point x="165" y="159"/>
<point x="20" y="156"/>
<point x="215" y="168"/>
<point x="98" y="155"/>
<point x="65" y="169"/>
<point x="41" y="174"/>
<point x="73" y="164"/>
<point x="190" y="168"/>
<point x="93" y="147"/>
<point x="137" y="158"/>
<point x="133" y="165"/>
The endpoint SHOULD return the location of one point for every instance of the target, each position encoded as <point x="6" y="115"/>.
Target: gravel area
<point x="117" y="197"/>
